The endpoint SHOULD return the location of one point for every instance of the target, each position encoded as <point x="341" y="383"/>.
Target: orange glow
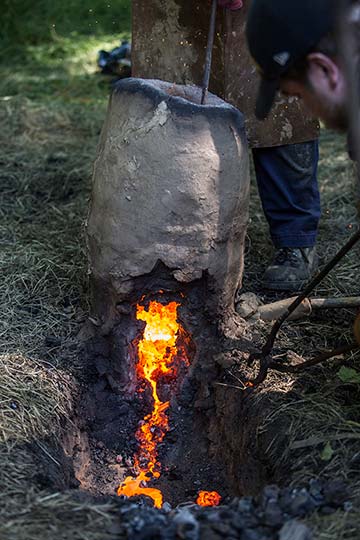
<point x="158" y="356"/>
<point x="208" y="498"/>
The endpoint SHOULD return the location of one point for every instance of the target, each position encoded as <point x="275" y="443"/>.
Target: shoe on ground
<point x="290" y="269"/>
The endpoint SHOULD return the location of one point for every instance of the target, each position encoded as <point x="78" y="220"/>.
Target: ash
<point x="274" y="515"/>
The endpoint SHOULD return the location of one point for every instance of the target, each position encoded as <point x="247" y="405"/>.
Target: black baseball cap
<point x="280" y="32"/>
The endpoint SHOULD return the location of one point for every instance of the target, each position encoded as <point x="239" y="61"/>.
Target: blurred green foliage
<point x="29" y="22"/>
<point x="49" y="48"/>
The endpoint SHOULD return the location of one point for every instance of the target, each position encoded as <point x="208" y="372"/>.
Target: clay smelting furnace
<point x="166" y="225"/>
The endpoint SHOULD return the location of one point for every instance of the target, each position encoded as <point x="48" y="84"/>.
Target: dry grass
<point x="340" y="526"/>
<point x="315" y="408"/>
<point x="34" y="400"/>
<point x="29" y="515"/>
<point x="46" y="155"/>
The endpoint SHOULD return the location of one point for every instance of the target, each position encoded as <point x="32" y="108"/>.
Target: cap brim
<point x="266" y="97"/>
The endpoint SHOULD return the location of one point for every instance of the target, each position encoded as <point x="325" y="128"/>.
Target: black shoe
<point x="290" y="269"/>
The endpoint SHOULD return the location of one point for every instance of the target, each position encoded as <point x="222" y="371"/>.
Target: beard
<point x="335" y="117"/>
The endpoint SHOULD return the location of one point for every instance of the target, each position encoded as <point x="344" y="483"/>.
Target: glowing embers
<point x="160" y="357"/>
<point x="208" y="498"/>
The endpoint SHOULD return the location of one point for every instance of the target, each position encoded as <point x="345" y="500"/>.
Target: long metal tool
<point x="209" y="51"/>
<point x="264" y="355"/>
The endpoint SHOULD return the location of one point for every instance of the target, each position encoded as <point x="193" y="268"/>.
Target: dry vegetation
<point x="46" y="152"/>
<point x="47" y="146"/>
<point x="320" y="411"/>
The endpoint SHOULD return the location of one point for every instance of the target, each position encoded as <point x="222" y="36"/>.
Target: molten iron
<point x="208" y="498"/>
<point x="157" y="352"/>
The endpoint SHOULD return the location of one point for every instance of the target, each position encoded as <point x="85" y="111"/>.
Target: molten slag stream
<point x="156" y="350"/>
<point x="208" y="498"/>
<point x="158" y="356"/>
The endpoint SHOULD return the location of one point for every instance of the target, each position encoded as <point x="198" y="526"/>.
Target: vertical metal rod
<point x="209" y="50"/>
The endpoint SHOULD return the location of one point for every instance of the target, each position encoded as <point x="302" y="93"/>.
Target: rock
<point x="247" y="305"/>
<point x="294" y="530"/>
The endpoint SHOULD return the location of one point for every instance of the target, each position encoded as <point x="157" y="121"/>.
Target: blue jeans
<point x="287" y="183"/>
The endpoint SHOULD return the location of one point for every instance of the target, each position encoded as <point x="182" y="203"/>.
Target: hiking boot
<point x="290" y="269"/>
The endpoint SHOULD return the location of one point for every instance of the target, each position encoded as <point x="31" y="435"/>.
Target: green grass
<point x="48" y="50"/>
<point x="25" y="22"/>
<point x="64" y="70"/>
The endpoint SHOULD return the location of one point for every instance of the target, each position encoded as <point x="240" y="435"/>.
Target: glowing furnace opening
<point x="162" y="356"/>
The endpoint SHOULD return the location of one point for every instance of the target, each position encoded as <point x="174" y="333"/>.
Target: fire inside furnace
<point x="159" y="355"/>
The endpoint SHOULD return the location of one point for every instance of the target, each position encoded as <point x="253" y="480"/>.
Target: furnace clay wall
<point x="171" y="184"/>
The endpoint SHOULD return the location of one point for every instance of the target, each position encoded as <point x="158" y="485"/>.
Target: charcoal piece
<point x="153" y="532"/>
<point x="246" y="505"/>
<point x="294" y="530"/>
<point x="223" y="528"/>
<point x="302" y="503"/>
<point x="270" y="493"/>
<point x="207" y="533"/>
<point x="244" y="521"/>
<point x="187" y="527"/>
<point x="273" y="516"/>
<point x="254" y="534"/>
<point x="315" y="491"/>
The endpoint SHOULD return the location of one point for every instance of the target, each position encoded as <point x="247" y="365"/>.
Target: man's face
<point x="323" y="92"/>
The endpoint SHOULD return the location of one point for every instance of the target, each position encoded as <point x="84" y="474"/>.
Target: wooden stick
<point x="273" y="311"/>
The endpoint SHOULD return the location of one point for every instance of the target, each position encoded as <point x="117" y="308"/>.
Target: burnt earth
<point x="112" y="404"/>
<point x="213" y="441"/>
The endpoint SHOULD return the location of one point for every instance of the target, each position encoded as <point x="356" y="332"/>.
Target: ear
<point x="323" y="70"/>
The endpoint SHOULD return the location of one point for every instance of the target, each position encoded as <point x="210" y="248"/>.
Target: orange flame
<point x="157" y="351"/>
<point x="208" y="498"/>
